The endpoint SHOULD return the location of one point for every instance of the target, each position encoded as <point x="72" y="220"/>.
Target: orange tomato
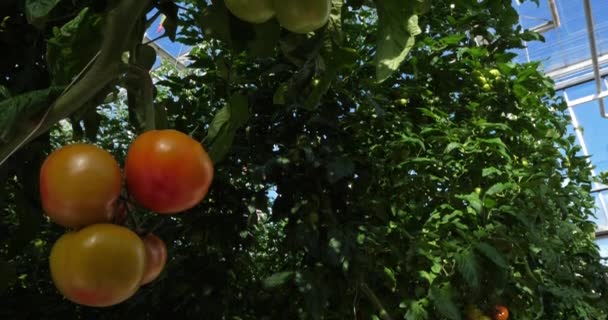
<point x="501" y="313"/>
<point x="101" y="265"/>
<point x="156" y="258"/>
<point x="79" y="185"/>
<point x="167" y="171"/>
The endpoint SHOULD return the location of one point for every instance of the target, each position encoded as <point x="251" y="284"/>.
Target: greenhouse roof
<point x="575" y="55"/>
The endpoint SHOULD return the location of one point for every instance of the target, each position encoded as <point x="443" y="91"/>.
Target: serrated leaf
<point x="491" y="253"/>
<point x="224" y="126"/>
<point x="397" y="28"/>
<point x="442" y="298"/>
<point x="277" y="279"/>
<point x="467" y="265"/>
<point x="452" y="146"/>
<point x="73" y="46"/>
<point x="15" y="110"/>
<point x="37" y="11"/>
<point x="417" y="310"/>
<point x="497" y="188"/>
<point x="490" y="171"/>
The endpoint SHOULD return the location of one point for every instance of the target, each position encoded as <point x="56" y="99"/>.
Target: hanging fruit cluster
<point x="102" y="262"/>
<point x="294" y="15"/>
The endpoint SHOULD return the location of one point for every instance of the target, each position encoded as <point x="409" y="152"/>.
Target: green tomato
<point x="495" y="73"/>
<point x="254" y="11"/>
<point x="473" y="313"/>
<point x="486" y="87"/>
<point x="302" y="16"/>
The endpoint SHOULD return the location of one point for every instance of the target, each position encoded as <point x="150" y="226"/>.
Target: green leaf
<point x="73" y="46"/>
<point x="491" y="253"/>
<point x="391" y="277"/>
<point x="397" y="28"/>
<point x="277" y="279"/>
<point x="490" y="171"/>
<point x="417" y="310"/>
<point x="15" y="110"/>
<point x="224" y="126"/>
<point x="37" y="11"/>
<point x="468" y="267"/>
<point x="498" y="188"/>
<point x="442" y="298"/>
<point x="452" y="146"/>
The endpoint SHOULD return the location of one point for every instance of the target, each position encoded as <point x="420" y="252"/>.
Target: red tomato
<point x="98" y="266"/>
<point x="79" y="185"/>
<point x="156" y="258"/>
<point x="167" y="171"/>
<point x="501" y="313"/>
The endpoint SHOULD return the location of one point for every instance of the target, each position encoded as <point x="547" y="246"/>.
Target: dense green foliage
<point x="349" y="184"/>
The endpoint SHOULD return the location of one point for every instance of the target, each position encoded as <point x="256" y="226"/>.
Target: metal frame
<point x="581" y="141"/>
<point x="165" y="54"/>
<point x="594" y="56"/>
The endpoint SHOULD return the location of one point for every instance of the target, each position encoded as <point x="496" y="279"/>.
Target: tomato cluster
<point x="101" y="262"/>
<point x="294" y="15"/>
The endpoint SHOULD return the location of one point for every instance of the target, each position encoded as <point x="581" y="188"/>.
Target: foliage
<point x="353" y="180"/>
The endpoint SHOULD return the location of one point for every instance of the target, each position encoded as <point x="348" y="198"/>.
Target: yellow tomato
<point x="79" y="185"/>
<point x="98" y="266"/>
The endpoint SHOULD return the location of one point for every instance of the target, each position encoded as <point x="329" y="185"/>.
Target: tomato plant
<point x="167" y="171"/>
<point x="100" y="265"/>
<point x="254" y="11"/>
<point x="302" y="16"/>
<point x="156" y="257"/>
<point x="501" y="313"/>
<point x="79" y="185"/>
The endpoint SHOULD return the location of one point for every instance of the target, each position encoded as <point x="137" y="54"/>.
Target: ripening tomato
<point x="302" y="16"/>
<point x="101" y="265"/>
<point x="156" y="258"/>
<point x="473" y="312"/>
<point x="167" y="171"/>
<point x="79" y="185"/>
<point x="254" y="11"/>
<point x="501" y="313"/>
